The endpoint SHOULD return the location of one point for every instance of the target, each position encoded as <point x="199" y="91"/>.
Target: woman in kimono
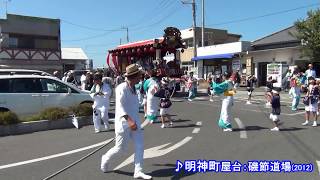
<point x="226" y="90"/>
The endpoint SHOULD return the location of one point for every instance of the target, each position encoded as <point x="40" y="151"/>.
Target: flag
<point x="75" y="121"/>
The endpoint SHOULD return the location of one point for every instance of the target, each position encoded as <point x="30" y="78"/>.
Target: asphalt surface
<point x="189" y="140"/>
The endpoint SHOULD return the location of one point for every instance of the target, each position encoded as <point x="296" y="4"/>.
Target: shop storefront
<point x="221" y="58"/>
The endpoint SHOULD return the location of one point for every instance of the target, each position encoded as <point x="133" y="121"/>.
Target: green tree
<point x="309" y="34"/>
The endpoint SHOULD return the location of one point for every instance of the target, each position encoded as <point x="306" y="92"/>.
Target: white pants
<point x="100" y="113"/>
<point x="121" y="146"/>
<point x="227" y="102"/>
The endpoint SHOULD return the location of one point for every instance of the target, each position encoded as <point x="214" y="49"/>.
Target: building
<point x="211" y="37"/>
<point x="34" y="43"/>
<point x="279" y="47"/>
<point x="30" y="43"/>
<point x="217" y="59"/>
<point x="75" y="58"/>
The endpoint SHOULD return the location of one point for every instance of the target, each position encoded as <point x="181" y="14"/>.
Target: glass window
<point x="52" y="86"/>
<point x="26" y="85"/>
<point x="4" y="85"/>
<point x="13" y="42"/>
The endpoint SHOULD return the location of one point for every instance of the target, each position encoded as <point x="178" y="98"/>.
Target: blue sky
<point x="86" y="23"/>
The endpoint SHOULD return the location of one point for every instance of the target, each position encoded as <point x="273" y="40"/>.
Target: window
<point x="26" y="85"/>
<point x="52" y="86"/>
<point x="4" y="85"/>
<point x="13" y="42"/>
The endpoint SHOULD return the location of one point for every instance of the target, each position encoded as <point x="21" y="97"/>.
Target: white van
<point x="29" y="94"/>
<point x="23" y="71"/>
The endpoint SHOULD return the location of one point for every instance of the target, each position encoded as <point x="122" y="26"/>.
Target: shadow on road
<point x="250" y="128"/>
<point x="184" y="126"/>
<point x="291" y="129"/>
<point x="169" y="172"/>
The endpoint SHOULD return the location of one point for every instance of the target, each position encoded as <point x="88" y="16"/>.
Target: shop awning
<point x="213" y="57"/>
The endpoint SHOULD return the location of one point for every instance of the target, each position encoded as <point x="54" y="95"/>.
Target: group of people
<point x="139" y="89"/>
<point x="305" y="83"/>
<point x="143" y="90"/>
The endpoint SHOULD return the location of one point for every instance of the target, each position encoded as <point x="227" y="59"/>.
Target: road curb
<point x="42" y="125"/>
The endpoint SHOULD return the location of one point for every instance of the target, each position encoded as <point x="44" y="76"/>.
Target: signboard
<point x="224" y="69"/>
<point x="236" y="64"/>
<point x="249" y="67"/>
<point x="277" y="71"/>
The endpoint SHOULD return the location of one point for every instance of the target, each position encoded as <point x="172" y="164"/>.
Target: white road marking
<point x="318" y="164"/>
<point x="55" y="155"/>
<point x="195" y="130"/>
<point x="243" y="133"/>
<point x="199" y="123"/>
<point x="253" y="110"/>
<point x="155" y="152"/>
<point x="293" y="114"/>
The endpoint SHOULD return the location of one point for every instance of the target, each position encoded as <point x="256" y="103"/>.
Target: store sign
<point x="236" y="64"/>
<point x="224" y="68"/>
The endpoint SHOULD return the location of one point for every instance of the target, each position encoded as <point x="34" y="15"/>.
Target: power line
<point x="87" y="38"/>
<point x="172" y="12"/>
<point x="265" y="15"/>
<point x="153" y="11"/>
<point x="90" y="28"/>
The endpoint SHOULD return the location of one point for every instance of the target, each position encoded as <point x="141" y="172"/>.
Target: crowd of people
<point x="141" y="90"/>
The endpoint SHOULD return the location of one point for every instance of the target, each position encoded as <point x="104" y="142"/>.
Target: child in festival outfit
<point x="151" y="86"/>
<point x="276" y="110"/>
<point x="210" y="92"/>
<point x="250" y="87"/>
<point x="311" y="102"/>
<point x="165" y="102"/>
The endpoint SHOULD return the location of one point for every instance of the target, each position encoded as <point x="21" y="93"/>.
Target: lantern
<point x="139" y="51"/>
<point x="128" y="52"/>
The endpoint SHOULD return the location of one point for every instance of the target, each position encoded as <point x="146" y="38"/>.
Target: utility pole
<point x="120" y="41"/>
<point x="202" y="30"/>
<point x="194" y="25"/>
<point x="127" y="35"/>
<point x="127" y="29"/>
<point x="6" y="2"/>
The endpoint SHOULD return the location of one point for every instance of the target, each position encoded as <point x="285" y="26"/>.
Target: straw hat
<point x="132" y="69"/>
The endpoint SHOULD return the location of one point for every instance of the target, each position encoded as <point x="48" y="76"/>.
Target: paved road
<point x="195" y="136"/>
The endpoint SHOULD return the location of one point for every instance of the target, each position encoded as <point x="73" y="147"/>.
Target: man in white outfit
<point x="100" y="93"/>
<point x="127" y="123"/>
<point x="310" y="72"/>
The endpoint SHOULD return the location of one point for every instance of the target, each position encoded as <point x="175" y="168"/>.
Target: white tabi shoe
<point x="274" y="129"/>
<point x="314" y="124"/>
<point x="141" y="175"/>
<point x="305" y="123"/>
<point x="227" y="130"/>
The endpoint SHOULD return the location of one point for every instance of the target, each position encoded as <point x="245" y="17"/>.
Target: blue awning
<point x="217" y="56"/>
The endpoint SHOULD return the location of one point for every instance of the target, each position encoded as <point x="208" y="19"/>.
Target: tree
<point x="309" y="34"/>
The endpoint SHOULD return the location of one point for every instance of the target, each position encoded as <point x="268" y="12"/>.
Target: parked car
<point x="29" y="94"/>
<point x="23" y="71"/>
<point x="77" y="75"/>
